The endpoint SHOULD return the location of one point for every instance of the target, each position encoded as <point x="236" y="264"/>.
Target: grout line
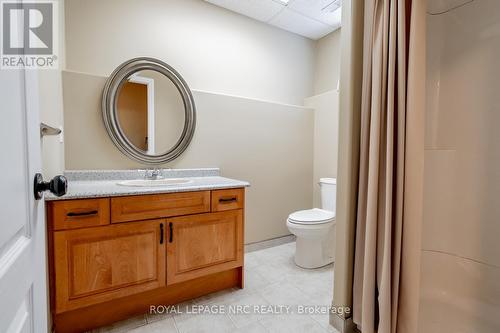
<point x="259" y="322"/>
<point x="232" y="322"/>
<point x="175" y="325"/>
<point x="319" y="323"/>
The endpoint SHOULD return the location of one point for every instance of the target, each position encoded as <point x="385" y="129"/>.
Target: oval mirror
<point x="148" y="111"/>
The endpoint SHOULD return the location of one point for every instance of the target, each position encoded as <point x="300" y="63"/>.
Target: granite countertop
<point x="104" y="183"/>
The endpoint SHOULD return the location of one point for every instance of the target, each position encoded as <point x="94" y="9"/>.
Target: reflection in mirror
<point x="150" y="112"/>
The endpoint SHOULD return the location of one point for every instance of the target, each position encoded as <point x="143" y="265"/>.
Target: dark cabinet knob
<point x="57" y="186"/>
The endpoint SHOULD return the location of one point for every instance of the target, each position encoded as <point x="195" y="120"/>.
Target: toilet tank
<point x="328" y="190"/>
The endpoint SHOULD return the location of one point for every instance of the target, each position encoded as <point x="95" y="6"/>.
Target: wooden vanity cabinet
<point x="111" y="258"/>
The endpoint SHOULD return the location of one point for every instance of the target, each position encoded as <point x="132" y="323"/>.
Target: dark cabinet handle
<point x="228" y="200"/>
<point x="161" y="233"/>
<point x="73" y="214"/>
<point x="171" y="233"/>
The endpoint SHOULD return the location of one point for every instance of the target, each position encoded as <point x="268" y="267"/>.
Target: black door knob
<point x="57" y="186"/>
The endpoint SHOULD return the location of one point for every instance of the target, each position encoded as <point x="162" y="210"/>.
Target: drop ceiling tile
<point x="262" y="10"/>
<point x="325" y="11"/>
<point x="292" y="21"/>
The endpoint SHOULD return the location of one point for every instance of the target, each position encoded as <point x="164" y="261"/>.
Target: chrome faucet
<point x="152" y="174"/>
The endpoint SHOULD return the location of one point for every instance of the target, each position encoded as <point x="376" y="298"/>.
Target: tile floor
<point x="271" y="279"/>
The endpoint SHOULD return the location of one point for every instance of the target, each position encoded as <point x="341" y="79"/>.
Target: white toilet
<point x="315" y="229"/>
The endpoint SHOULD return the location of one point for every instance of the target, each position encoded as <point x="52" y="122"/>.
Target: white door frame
<point x="37" y="218"/>
<point x="150" y="86"/>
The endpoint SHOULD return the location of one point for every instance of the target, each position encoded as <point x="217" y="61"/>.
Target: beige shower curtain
<point x="389" y="213"/>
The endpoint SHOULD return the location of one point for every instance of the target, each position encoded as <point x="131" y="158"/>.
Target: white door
<point x="23" y="282"/>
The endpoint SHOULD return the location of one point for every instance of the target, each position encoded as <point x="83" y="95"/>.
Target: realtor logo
<point x="29" y="35"/>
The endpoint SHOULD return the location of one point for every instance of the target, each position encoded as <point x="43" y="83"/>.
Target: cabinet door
<point x="204" y="244"/>
<point x="98" y="264"/>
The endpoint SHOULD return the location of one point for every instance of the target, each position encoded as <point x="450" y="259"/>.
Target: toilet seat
<point x="311" y="216"/>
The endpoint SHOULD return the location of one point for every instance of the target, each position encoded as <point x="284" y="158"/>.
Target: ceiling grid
<point x="309" y="18"/>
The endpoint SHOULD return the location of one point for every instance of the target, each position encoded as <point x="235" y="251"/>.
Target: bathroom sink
<point x="155" y="182"/>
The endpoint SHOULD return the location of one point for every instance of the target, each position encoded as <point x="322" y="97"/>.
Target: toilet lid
<point x="311" y="216"/>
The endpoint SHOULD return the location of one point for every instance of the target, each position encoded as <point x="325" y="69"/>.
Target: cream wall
<point x="326" y="114"/>
<point x="267" y="144"/>
<point x="325" y="103"/>
<point x="327" y="63"/>
<point x="214" y="49"/>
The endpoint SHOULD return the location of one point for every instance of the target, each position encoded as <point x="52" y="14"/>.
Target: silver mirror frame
<point x="110" y="115"/>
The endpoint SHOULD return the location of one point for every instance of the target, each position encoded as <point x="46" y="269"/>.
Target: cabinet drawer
<point x="228" y="199"/>
<point x="199" y="245"/>
<point x="144" y="207"/>
<point x="72" y="214"/>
